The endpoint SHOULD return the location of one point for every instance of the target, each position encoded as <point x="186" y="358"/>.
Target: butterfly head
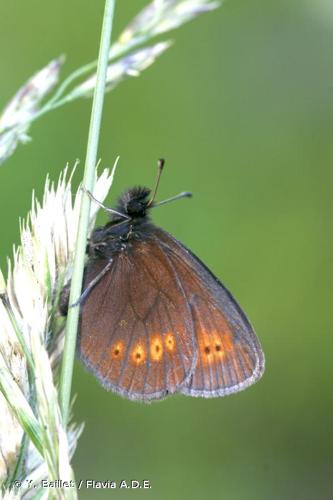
<point x="134" y="202"/>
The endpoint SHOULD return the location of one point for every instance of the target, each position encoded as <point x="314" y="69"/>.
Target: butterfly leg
<point x="107" y="209"/>
<point x="92" y="284"/>
<point x="64" y="297"/>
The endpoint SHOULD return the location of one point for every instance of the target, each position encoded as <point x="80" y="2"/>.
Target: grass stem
<point x="88" y="184"/>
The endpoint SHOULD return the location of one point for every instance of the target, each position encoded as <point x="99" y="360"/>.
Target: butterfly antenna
<point x="160" y="165"/>
<point x="184" y="194"/>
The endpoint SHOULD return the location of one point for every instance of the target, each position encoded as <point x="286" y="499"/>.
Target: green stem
<point x="88" y="183"/>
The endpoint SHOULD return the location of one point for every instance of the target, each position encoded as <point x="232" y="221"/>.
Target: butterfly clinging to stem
<point x="154" y="319"/>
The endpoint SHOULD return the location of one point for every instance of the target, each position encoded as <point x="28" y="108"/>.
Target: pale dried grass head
<point x="28" y="104"/>
<point x="16" y="117"/>
<point x="30" y="341"/>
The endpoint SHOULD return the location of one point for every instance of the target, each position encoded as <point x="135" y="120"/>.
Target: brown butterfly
<point x="154" y="319"/>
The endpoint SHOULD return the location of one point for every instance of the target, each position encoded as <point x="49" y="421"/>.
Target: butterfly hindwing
<point x="137" y="332"/>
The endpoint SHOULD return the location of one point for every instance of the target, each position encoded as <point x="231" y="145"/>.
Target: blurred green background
<point x="242" y="109"/>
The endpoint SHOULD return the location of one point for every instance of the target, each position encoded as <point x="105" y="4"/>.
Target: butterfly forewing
<point x="229" y="354"/>
<point x="137" y="330"/>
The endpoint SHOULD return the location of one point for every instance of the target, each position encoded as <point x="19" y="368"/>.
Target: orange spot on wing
<point x="170" y="342"/>
<point x="207" y="353"/>
<point x="213" y="346"/>
<point x="117" y="350"/>
<point x="156" y="348"/>
<point x="138" y="354"/>
<point x="218" y="346"/>
<point x="205" y="346"/>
